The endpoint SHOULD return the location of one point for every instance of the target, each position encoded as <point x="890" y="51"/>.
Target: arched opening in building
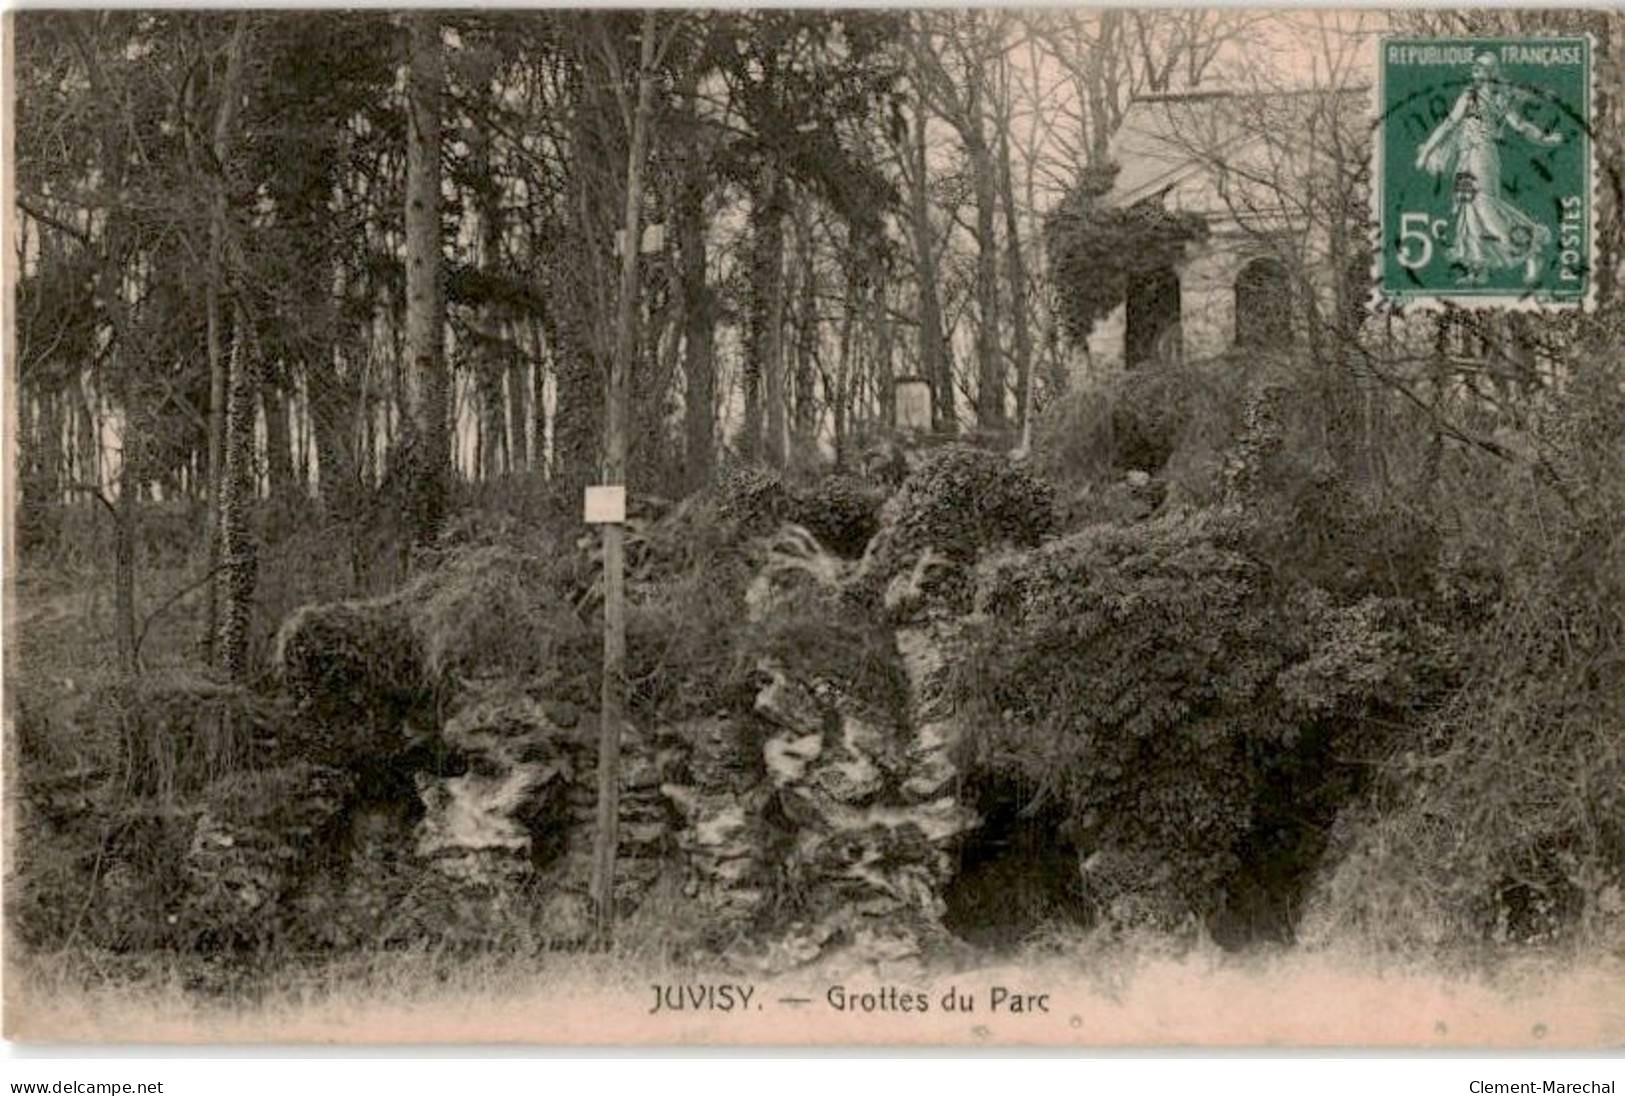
<point x="1153" y="333"/>
<point x="1264" y="306"/>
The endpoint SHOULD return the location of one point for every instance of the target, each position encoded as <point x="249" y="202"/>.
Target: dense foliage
<point x="957" y="503"/>
<point x="1095" y="250"/>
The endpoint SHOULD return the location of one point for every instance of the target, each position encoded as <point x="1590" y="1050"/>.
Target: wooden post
<point x="613" y="696"/>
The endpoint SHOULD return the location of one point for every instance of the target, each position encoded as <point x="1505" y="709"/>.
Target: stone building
<point x="1277" y="178"/>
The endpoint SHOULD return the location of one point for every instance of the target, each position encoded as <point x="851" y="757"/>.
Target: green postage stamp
<point x="1483" y="173"/>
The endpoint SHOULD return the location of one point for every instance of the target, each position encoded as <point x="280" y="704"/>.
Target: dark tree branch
<point x="96" y="493"/>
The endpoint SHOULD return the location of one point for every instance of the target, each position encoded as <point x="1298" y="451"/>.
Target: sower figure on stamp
<point x="1489" y="233"/>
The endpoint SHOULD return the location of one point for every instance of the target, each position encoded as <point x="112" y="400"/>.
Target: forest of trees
<point x="276" y="256"/>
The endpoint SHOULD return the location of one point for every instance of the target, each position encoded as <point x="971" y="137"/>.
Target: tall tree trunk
<point x="805" y="432"/>
<point x="493" y="437"/>
<point x="699" y="361"/>
<point x="220" y="148"/>
<point x="125" y="517"/>
<point x="699" y="315"/>
<point x="427" y="447"/>
<point x="544" y="346"/>
<point x="1017" y="273"/>
<point x="491" y="364"/>
<point x="990" y="414"/>
<point x="884" y="374"/>
<point x="239" y="563"/>
<point x="279" y="469"/>
<point x="841" y="398"/>
<point x="578" y="409"/>
<point x="1102" y="99"/>
<point x="134" y="441"/>
<point x="934" y="357"/>
<point x="518" y="449"/>
<point x="764" y="365"/>
<point x="334" y="410"/>
<point x="579" y="350"/>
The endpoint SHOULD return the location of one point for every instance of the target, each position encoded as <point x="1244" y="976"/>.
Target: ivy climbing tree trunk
<point x="427" y="445"/>
<point x="804" y="435"/>
<point x="239" y="561"/>
<point x="220" y="149"/>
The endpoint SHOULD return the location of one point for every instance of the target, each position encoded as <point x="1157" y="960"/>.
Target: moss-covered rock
<point x="257" y="839"/>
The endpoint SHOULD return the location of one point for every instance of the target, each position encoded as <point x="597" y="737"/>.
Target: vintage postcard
<point x="971" y="527"/>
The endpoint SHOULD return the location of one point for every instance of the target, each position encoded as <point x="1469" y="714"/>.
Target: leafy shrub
<point x="1498" y="817"/>
<point x="1124" y="671"/>
<point x="753" y="500"/>
<point x="355" y="672"/>
<point x="1179" y="705"/>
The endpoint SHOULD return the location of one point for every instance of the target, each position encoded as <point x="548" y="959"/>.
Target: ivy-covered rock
<point x="1188" y="712"/>
<point x="842" y="512"/>
<point x="355" y="672"/>
<point x="755" y="500"/>
<point x="958" y="504"/>
<point x="1130" y="670"/>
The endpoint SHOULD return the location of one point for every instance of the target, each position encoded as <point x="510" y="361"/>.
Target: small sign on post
<point x="605" y="505"/>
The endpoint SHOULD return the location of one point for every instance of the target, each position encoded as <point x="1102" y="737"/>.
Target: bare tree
<point x="426" y="384"/>
<point x="967" y="41"/>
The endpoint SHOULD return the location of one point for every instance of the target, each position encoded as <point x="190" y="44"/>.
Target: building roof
<point x="1164" y="138"/>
